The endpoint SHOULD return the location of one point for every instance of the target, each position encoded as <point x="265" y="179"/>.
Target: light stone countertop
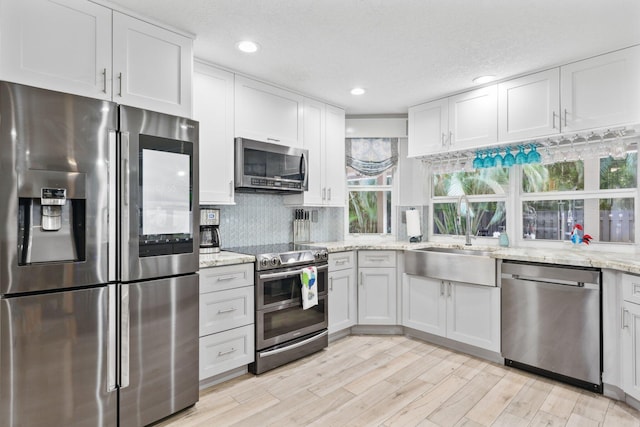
<point x="224" y="258"/>
<point x="580" y="256"/>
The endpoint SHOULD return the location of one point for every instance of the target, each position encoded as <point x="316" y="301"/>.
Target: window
<point x="591" y="185"/>
<point x="371" y="164"/>
<point x="486" y="190"/>
<point x="597" y="192"/>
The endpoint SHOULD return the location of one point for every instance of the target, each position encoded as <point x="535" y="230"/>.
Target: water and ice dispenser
<point x="51" y="218"/>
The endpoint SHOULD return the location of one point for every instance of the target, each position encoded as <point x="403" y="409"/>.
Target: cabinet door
<point x="152" y="66"/>
<point x="343" y="299"/>
<point x="473" y="315"/>
<point x="377" y="296"/>
<point x="473" y="118"/>
<point x="226" y="350"/>
<point x="267" y="113"/>
<point x="334" y="171"/>
<point x="631" y="349"/>
<point x="529" y="106"/>
<point x="62" y="45"/>
<point x="213" y="108"/>
<point x="428" y="128"/>
<point x="228" y="309"/>
<point x="424" y="305"/>
<point x="601" y="91"/>
<point x="314" y="141"/>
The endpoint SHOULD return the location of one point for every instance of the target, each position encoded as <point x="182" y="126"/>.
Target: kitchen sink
<point x="474" y="252"/>
<point x="452" y="264"/>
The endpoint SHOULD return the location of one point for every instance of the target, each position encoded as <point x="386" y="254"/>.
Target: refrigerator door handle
<point x="111" y="338"/>
<point x="124" y="206"/>
<point x="112" y="217"/>
<point x="124" y="336"/>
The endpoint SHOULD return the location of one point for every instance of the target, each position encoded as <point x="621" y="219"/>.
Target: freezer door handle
<point x="124" y="336"/>
<point x="111" y="338"/>
<point x="112" y="210"/>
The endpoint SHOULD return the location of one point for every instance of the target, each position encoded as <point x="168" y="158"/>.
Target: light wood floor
<point x="395" y="380"/>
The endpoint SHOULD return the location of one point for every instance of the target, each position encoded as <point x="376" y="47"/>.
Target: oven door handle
<point x="291" y="347"/>
<point x="287" y="273"/>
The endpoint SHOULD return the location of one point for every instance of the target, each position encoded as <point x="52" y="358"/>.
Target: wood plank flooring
<point x="399" y="381"/>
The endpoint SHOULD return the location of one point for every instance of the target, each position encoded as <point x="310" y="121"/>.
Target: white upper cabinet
<point x="467" y="120"/>
<point x="267" y="113"/>
<point x="334" y="171"/>
<point x="601" y="91"/>
<point x="79" y="47"/>
<point x="472" y="118"/>
<point x="324" y="129"/>
<point x="213" y="109"/>
<point x="428" y="128"/>
<point x="152" y="67"/>
<point x="529" y="106"/>
<point x="63" y="45"/>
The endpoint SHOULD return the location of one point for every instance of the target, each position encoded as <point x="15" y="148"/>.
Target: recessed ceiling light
<point x="247" y="46"/>
<point x="357" y="91"/>
<point x="483" y="79"/>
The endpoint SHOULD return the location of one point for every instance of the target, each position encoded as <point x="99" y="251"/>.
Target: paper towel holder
<point x="414" y="239"/>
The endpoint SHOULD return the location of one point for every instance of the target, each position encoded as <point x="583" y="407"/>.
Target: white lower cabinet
<point x="377" y="296"/>
<point x="462" y="312"/>
<point x="226" y="350"/>
<point x="227" y="314"/>
<point x="630" y="338"/>
<point x="377" y="288"/>
<point x="343" y="291"/>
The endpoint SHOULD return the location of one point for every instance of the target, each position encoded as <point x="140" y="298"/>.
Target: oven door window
<point x="166" y="186"/>
<point x="276" y="291"/>
<point x="279" y="325"/>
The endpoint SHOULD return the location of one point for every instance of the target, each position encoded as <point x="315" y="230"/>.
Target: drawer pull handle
<point x="224" y="353"/>
<point x="379" y="258"/>
<point x="227" y="310"/>
<point x="225" y="278"/>
<point x="342" y="261"/>
<point x="623" y="320"/>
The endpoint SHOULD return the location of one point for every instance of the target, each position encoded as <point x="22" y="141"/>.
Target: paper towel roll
<point x="413" y="223"/>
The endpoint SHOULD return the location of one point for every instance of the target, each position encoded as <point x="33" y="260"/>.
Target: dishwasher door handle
<point x="554" y="282"/>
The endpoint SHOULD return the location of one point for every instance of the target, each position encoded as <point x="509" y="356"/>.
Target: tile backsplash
<point x="259" y="219"/>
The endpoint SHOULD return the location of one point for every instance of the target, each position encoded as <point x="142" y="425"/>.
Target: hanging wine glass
<point x="521" y="157"/>
<point x="508" y="160"/>
<point x="498" y="159"/>
<point x="478" y="163"/>
<point x="533" y="156"/>
<point x="488" y="161"/>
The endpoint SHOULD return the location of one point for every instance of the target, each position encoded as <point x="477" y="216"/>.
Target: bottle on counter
<point x="503" y="239"/>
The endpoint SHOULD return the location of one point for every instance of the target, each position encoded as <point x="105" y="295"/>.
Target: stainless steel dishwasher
<point x="551" y="321"/>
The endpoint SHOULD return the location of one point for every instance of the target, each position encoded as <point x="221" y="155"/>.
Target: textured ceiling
<point x="402" y="51"/>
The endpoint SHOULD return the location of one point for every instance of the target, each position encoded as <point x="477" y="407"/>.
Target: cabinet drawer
<point x="631" y="288"/>
<point x="376" y="259"/>
<point x="225" y="351"/>
<point x="226" y="309"/>
<point x="342" y="261"/>
<point x="226" y="277"/>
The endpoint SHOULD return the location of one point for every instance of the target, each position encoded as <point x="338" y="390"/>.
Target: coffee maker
<point x="209" y="231"/>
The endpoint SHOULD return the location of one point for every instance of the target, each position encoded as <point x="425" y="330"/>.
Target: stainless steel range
<point x="284" y="331"/>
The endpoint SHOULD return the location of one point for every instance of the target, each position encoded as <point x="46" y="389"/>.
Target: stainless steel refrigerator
<point x="98" y="261"/>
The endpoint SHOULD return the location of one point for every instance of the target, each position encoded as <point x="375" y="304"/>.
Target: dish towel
<point x="309" y="287"/>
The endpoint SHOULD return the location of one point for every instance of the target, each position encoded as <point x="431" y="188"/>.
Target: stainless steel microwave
<point x="264" y="167"/>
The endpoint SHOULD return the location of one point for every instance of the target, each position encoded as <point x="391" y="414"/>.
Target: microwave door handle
<point x="303" y="170"/>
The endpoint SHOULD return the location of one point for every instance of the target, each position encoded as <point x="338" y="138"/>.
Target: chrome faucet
<point x="464" y="197"/>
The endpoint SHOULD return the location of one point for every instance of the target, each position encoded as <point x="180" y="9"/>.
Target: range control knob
<point x="264" y="262"/>
<point x="275" y="261"/>
<point x="324" y="255"/>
